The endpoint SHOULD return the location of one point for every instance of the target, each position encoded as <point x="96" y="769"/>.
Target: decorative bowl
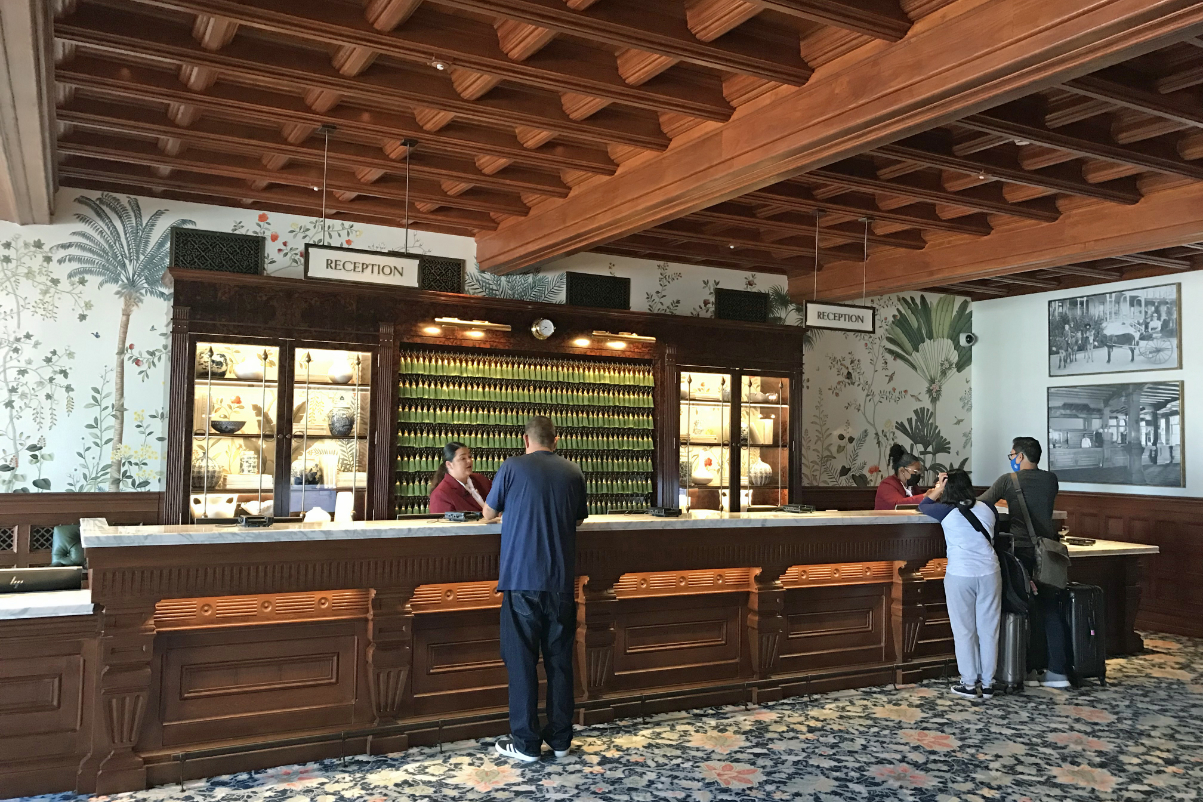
<point x="227" y="426"/>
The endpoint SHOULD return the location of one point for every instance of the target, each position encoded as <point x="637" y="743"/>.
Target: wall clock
<point x="542" y="328"/>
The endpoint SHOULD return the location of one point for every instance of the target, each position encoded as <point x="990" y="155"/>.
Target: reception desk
<point x="217" y="649"/>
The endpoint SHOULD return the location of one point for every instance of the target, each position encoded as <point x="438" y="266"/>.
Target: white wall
<point x="1010" y="380"/>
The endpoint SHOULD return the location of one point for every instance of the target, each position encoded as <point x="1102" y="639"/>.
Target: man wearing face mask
<point x="1049" y="640"/>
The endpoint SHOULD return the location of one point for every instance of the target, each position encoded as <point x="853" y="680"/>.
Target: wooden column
<point x="596" y="611"/>
<point x="907" y="614"/>
<point x="1129" y="600"/>
<point x="766" y="624"/>
<point x="666" y="418"/>
<point x="390" y="653"/>
<point x="177" y="480"/>
<point x="126" y="649"/>
<point x="381" y="503"/>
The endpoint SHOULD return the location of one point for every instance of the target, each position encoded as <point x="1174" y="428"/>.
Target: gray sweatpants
<point x="974" y="610"/>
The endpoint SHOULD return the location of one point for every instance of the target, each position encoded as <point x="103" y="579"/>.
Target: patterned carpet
<point x="1139" y="739"/>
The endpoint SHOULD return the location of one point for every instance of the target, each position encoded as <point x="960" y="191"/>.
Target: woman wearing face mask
<point x="902" y="485"/>
<point x="455" y="488"/>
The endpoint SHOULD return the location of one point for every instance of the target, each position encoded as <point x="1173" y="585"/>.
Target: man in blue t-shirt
<point x="543" y="498"/>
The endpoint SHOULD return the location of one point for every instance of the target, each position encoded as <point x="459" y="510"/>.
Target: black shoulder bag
<point x="1016" y="584"/>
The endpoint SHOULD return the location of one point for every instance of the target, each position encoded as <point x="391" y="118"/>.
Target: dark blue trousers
<point x="534" y="621"/>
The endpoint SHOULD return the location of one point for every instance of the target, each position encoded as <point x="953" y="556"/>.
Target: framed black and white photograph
<point x="1117" y="434"/>
<point x="1115" y="332"/>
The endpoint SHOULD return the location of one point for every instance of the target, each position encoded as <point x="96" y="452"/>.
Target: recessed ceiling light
<point x="981" y="176"/>
<point x="732" y="247"/>
<point x="438" y="65"/>
<point x="1022" y="142"/>
<point x="315" y="189"/>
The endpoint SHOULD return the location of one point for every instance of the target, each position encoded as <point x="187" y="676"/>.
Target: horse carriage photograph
<point x="1115" y="332"/>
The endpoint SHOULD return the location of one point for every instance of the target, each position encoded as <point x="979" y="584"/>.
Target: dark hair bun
<point x="896" y="452"/>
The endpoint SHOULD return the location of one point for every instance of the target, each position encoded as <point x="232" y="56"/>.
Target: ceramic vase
<point x="213" y="365"/>
<point x="341" y="418"/>
<point x="248" y="462"/>
<point x="306" y="472"/>
<point x="250" y="369"/>
<point x="206" y="473"/>
<point x="759" y="473"/>
<point x="701" y="476"/>
<point x="340" y="371"/>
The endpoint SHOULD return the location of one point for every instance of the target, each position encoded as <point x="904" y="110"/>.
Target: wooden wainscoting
<point x="47" y="680"/>
<point x="1172" y="582"/>
<point x="27" y="520"/>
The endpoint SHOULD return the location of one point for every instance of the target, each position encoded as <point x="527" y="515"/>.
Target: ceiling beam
<point x="26" y="113"/>
<point x="879" y="19"/>
<point x="138" y="83"/>
<point x="1185" y="109"/>
<point x="236" y="137"/>
<point x="260" y="61"/>
<point x="468" y="44"/>
<point x="860" y="174"/>
<point x="681" y="230"/>
<point x="1088" y="272"/>
<point x="971" y="289"/>
<point x="934" y="150"/>
<point x="795" y="196"/>
<point x="193" y="160"/>
<point x="796" y="225"/>
<point x="1163" y="219"/>
<point x="876" y="95"/>
<point x="1156" y="260"/>
<point x="659" y="28"/>
<point x="1022" y="120"/>
<point x="304" y="201"/>
<point x="682" y="256"/>
<point x="1027" y="281"/>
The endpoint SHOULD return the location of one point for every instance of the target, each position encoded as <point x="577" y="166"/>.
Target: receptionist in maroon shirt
<point x="455" y="488"/>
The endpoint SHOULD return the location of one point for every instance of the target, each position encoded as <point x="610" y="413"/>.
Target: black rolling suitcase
<point x="1082" y="607"/>
<point x="1013" y="633"/>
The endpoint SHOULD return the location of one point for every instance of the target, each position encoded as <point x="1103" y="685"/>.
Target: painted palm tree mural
<point x="926" y="338"/>
<point x="123" y="250"/>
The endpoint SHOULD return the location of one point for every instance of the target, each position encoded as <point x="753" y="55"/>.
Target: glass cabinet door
<point x="331" y="398"/>
<point x="764" y="458"/>
<point x="705" y="440"/>
<point x="234" y="428"/>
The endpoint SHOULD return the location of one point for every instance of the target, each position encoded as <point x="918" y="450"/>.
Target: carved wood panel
<point x="667" y="640"/>
<point x="835" y="626"/>
<point x="232" y="682"/>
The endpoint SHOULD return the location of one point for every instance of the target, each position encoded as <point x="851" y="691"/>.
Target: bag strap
<point x="976" y="523"/>
<point x="1023" y="507"/>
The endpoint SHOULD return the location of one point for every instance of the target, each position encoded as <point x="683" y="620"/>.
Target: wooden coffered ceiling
<point x="697" y="131"/>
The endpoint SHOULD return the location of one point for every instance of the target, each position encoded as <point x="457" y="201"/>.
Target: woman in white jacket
<point x="972" y="581"/>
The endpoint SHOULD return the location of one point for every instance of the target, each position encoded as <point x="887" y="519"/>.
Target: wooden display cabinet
<point x="277" y="427"/>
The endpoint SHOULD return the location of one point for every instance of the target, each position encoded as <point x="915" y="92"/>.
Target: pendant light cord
<point x="864" y="286"/>
<point x="409" y="146"/>
<point x="325" y="165"/>
<point x="818" y="214"/>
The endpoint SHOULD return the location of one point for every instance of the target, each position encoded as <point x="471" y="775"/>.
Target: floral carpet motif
<point x="1141" y="738"/>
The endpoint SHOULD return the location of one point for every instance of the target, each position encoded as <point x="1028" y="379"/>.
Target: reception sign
<point x="352" y="264"/>
<point x="841" y="317"/>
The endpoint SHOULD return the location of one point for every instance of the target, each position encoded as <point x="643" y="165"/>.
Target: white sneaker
<point x="563" y="752"/>
<point x="1054" y="680"/>
<point x="506" y="747"/>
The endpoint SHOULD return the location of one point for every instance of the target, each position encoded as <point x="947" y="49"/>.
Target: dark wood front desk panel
<point x="209" y="646"/>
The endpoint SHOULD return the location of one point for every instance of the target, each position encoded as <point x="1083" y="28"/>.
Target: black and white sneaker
<point x="506" y="747"/>
<point x="988" y="690"/>
<point x="965" y="691"/>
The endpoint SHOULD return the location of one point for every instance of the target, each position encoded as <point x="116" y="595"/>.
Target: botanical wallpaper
<point x="84" y="326"/>
<point x="906" y="383"/>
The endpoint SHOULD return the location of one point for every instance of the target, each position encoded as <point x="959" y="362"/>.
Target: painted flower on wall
<point x="122" y="250"/>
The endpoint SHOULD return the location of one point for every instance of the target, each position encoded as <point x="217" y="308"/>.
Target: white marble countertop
<point x="1111" y="548"/>
<point x="46" y="604"/>
<point x="97" y="533"/>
